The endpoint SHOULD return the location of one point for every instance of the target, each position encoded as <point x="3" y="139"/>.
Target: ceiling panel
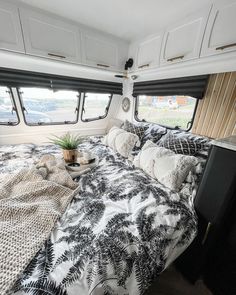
<point x="127" y="19"/>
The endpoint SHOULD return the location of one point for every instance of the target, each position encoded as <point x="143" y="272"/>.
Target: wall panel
<point x="216" y="113"/>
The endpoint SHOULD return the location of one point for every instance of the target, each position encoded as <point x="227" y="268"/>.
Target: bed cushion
<point x="154" y="132"/>
<point x="183" y="142"/>
<point x="135" y="128"/>
<point x="164" y="165"/>
<point x="121" y="141"/>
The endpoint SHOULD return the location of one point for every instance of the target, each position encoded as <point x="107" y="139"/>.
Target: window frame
<point x="99" y="117"/>
<point x="190" y="123"/>
<point x="53" y="123"/>
<point x="14" y="106"/>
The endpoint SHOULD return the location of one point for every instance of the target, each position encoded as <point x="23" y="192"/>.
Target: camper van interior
<point x="117" y="147"/>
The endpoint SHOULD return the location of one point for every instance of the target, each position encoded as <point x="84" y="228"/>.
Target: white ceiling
<point x="127" y="19"/>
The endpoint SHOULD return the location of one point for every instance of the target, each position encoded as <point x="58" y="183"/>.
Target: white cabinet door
<point x="183" y="41"/>
<point x="148" y="53"/>
<point x="220" y="33"/>
<point x="10" y="29"/>
<point x="99" y="51"/>
<point x="50" y="37"/>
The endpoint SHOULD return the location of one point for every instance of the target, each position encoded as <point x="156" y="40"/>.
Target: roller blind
<point x="194" y="86"/>
<point x="18" y="78"/>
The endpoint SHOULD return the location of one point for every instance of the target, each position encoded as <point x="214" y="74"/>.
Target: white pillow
<point x="121" y="141"/>
<point x="164" y="165"/>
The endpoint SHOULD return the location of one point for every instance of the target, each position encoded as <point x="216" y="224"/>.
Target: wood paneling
<point x="216" y="113"/>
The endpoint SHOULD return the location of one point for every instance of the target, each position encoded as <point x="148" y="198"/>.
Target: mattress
<point x="117" y="235"/>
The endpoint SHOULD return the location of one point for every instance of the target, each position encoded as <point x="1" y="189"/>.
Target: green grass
<point x="177" y="117"/>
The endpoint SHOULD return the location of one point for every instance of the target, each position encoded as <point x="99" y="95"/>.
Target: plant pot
<point x="70" y="156"/>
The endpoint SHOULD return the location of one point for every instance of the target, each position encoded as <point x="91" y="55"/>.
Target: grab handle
<point x="102" y="65"/>
<point x="175" y="58"/>
<point x="143" y="66"/>
<point x="225" y="46"/>
<point x="56" y="55"/>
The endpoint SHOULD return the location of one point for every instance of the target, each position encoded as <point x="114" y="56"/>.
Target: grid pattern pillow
<point x="135" y="129"/>
<point x="153" y="133"/>
<point x="182" y="143"/>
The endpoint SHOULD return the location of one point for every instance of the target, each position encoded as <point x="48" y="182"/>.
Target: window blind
<point x="194" y="86"/>
<point x="19" y="78"/>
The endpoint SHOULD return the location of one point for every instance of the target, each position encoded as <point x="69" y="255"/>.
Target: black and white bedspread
<point x="118" y="234"/>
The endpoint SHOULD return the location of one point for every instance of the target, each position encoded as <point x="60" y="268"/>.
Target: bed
<point x="118" y="234"/>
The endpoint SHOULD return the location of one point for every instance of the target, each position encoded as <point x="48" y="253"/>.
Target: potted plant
<point x="69" y="144"/>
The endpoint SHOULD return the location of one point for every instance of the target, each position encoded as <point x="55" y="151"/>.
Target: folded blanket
<point x="31" y="201"/>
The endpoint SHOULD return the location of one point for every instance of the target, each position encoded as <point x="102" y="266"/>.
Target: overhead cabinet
<point x="11" y="37"/>
<point x="50" y="37"/>
<point x="210" y="31"/>
<point x="148" y="53"/>
<point x="183" y="40"/>
<point x="102" y="52"/>
<point x="220" y="36"/>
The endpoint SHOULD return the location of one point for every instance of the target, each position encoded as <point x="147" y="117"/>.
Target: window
<point x="171" y="111"/>
<point x="95" y="106"/>
<point x="45" y="106"/>
<point x="8" y="114"/>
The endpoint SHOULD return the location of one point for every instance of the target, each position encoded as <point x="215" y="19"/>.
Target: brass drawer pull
<point x="104" y="66"/>
<point x="143" y="66"/>
<point x="175" y="58"/>
<point x="225" y="46"/>
<point x="56" y="55"/>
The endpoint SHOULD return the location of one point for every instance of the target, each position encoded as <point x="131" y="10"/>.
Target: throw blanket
<point x="30" y="203"/>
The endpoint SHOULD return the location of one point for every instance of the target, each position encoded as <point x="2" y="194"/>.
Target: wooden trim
<point x="216" y="113"/>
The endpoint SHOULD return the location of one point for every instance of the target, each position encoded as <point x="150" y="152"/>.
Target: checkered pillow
<point x="182" y="143"/>
<point x="133" y="128"/>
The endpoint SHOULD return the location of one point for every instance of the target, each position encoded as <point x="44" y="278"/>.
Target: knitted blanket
<point x="31" y="201"/>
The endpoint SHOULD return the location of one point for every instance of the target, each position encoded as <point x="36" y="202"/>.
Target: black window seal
<point x="99" y="117"/>
<point x="53" y="123"/>
<point x="14" y="106"/>
<point x="168" y="127"/>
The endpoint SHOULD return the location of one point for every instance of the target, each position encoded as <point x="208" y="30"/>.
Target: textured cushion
<point x="121" y="141"/>
<point x="183" y="142"/>
<point x="137" y="129"/>
<point x="154" y="133"/>
<point x="164" y="165"/>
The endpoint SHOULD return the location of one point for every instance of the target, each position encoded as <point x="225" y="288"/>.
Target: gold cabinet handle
<point x="175" y="58"/>
<point x="225" y="46"/>
<point x="143" y="66"/>
<point x="102" y="65"/>
<point x="56" y="55"/>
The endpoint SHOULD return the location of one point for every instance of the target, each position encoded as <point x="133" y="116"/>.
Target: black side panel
<point x="214" y="196"/>
<point x="212" y="255"/>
